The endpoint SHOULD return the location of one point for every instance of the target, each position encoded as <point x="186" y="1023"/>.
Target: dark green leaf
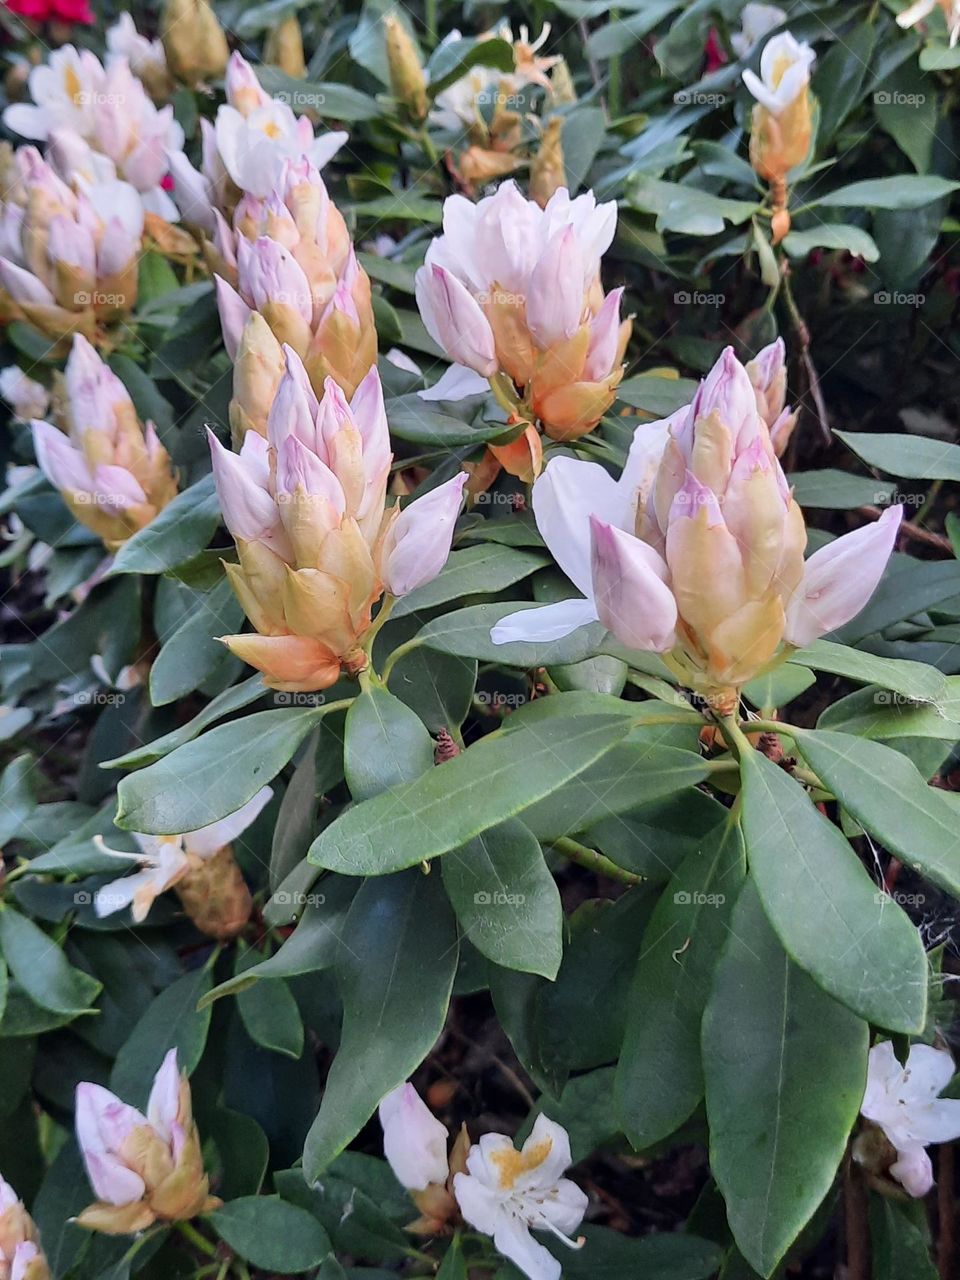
<point x="506" y="899"/>
<point x="823" y="905"/>
<point x="172" y="1021"/>
<point x="659" y="1077"/>
<point x="495" y="779"/>
<point x="395" y="972"/>
<point x="38" y="964"/>
<point x="775" y="1141"/>
<point x="272" y="1234"/>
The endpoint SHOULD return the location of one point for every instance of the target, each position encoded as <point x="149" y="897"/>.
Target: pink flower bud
<point x="631" y="591"/>
<point x="840" y="578"/>
<point x="418" y="542"/>
<point x="604" y="338"/>
<point x="414" y="1140"/>
<point x="555" y="300"/>
<point x="454" y="319"/>
<point x="104" y="1123"/>
<point x="248" y="509"/>
<point x="234" y="314"/>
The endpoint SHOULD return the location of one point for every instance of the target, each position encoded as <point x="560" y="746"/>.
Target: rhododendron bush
<point x="480" y="639"/>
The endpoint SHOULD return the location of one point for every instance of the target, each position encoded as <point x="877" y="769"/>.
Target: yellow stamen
<point x="512" y="1164"/>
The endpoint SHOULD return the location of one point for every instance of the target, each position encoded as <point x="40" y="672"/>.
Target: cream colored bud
<point x="193" y="40"/>
<point x="284" y="48"/>
<point x="407" y="80"/>
<point x="547" y="173"/>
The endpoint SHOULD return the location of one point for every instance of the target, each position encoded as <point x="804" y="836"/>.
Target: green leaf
<point x="776" y="1137"/>
<point x="207" y="779"/>
<point x="687" y="209"/>
<point x="854" y="942"/>
<point x="611" y="1255"/>
<point x="172" y="1021"/>
<point x="643" y="769"/>
<point x="453" y="60"/>
<point x="193" y="652"/>
<point x="907" y="110"/>
<point x="659" y="1078"/>
<point x="466" y="633"/>
<point x="38" y="964"/>
<point x="897" y="1244"/>
<point x="916" y="822"/>
<point x="838" y="80"/>
<point x="915" y="680"/>
<point x="333" y="101"/>
<point x="17" y="798"/>
<point x="269" y="1011"/>
<point x="832" y="235"/>
<point x="233" y="699"/>
<point x="179" y="532"/>
<point x="271" y="1234"/>
<point x="905" y="191"/>
<point x="580" y="1019"/>
<point x="495" y="779"/>
<point x="413" y="419"/>
<point x="395" y="972"/>
<point x="454" y="1265"/>
<point x="313" y="945"/>
<point x="385" y="744"/>
<point x="243" y="1150"/>
<point x="655" y="395"/>
<point x="475" y="570"/>
<point x="506" y="900"/>
<point x="838" y="490"/>
<point x="907" y="456"/>
<point x="880" y="715"/>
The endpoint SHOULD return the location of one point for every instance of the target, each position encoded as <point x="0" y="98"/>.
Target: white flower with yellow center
<point x="507" y="1193"/>
<point x="922" y="9"/>
<point x="784" y="73"/>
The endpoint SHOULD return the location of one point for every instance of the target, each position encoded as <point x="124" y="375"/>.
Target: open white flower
<point x="784" y="73"/>
<point x="164" y="861"/>
<point x="757" y="21"/>
<point x="922" y="9"/>
<point x="64" y="92"/>
<point x="507" y="1193"/>
<point x="904" y="1102"/>
<point x="146" y="57"/>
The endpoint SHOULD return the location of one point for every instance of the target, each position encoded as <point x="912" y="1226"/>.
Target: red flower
<point x="714" y="52"/>
<point x="70" y="11"/>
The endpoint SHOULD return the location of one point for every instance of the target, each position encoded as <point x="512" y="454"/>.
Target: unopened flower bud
<point x="21" y="1257"/>
<point x="407" y="80"/>
<point x="547" y="173"/>
<point x="143" y="1168"/>
<point x="193" y="41"/>
<point x="284" y="48"/>
<point x="782" y="122"/>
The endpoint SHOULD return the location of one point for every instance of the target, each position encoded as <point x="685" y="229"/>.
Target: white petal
<point x="549" y="622"/>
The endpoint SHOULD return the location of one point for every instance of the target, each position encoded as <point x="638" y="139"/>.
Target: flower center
<point x="512" y="1164"/>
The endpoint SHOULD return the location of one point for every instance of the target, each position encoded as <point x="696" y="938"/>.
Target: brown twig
<point x="947" y="1206"/>
<point x="856" y="1227"/>
<point x="910" y="530"/>
<point x="803" y="337"/>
